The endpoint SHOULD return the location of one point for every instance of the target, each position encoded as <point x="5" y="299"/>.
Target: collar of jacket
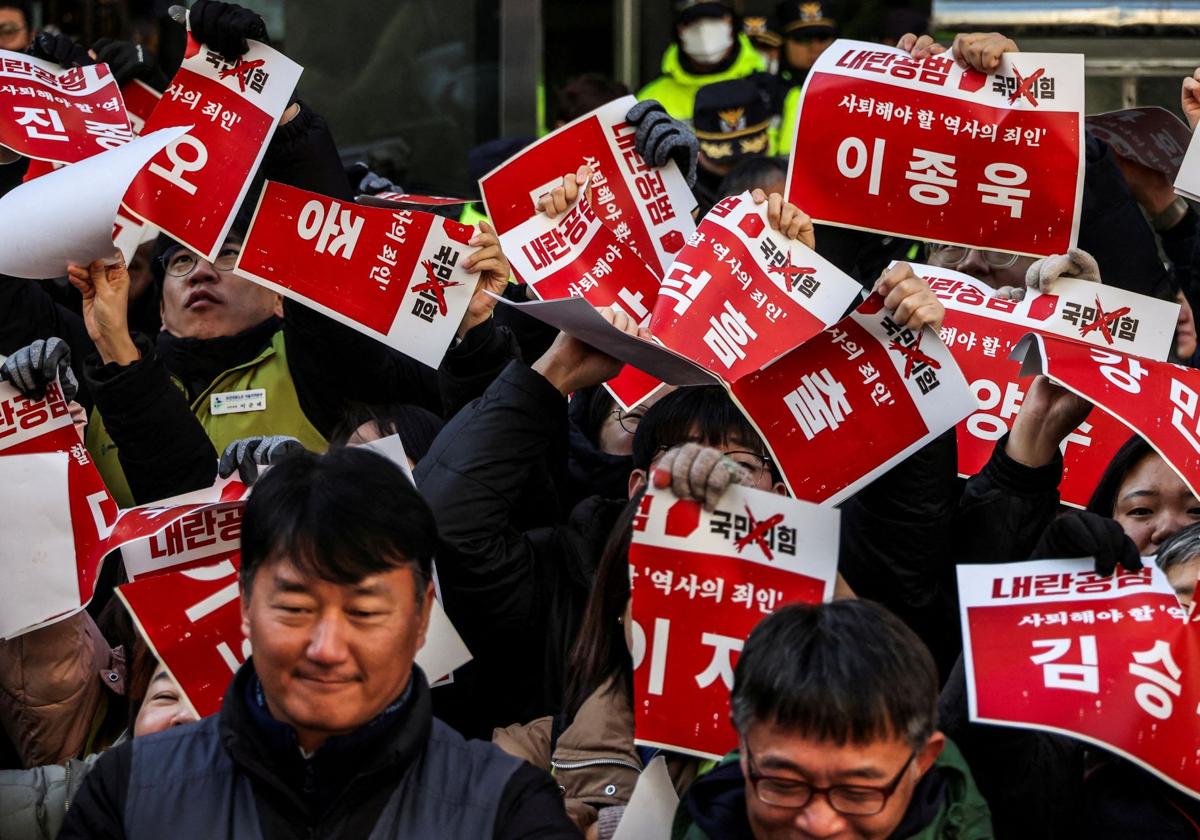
<point x="267" y="750"/>
<point x="744" y="61"/>
<point x="196" y="362"/>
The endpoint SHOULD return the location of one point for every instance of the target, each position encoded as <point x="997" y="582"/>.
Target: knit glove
<point x="698" y="472"/>
<point x="1075" y="263"/>
<point x="128" y="60"/>
<point x="226" y="27"/>
<point x="660" y="138"/>
<point x="60" y="49"/>
<point x="248" y="454"/>
<point x="35" y="366"/>
<point x="1084" y="534"/>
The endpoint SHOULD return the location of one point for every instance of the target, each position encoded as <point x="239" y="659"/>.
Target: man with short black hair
<point x="328" y="730"/>
<point x="835" y="706"/>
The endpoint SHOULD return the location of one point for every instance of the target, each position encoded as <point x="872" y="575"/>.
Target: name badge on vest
<point x="237" y="402"/>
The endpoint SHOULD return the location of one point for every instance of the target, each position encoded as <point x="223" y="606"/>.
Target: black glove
<point x="128" y="60"/>
<point x="60" y="49"/>
<point x="36" y="365"/>
<point x="225" y="27"/>
<point x="248" y="454"/>
<point x="660" y="137"/>
<point x="1084" y="534"/>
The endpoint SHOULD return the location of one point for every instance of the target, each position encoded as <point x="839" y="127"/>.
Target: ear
<point x="278" y="308"/>
<point x="930" y="752"/>
<point x="637" y="482"/>
<point x="779" y="489"/>
<point x="245" y="605"/>
<point x="426" y="612"/>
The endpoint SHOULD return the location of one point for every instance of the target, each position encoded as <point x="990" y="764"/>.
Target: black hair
<point x="846" y="672"/>
<point x="583" y="93"/>
<point x="752" y="172"/>
<point x="589" y="408"/>
<point x="416" y="426"/>
<point x="1104" y="497"/>
<point x="702" y="413"/>
<point x="599" y="654"/>
<point x="341" y="516"/>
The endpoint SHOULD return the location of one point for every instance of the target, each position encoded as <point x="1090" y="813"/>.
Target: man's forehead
<point x="285" y="574"/>
<point x="776" y="747"/>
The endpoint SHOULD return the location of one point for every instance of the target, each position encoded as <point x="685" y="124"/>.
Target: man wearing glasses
<point x="15" y="32"/>
<point x="835" y="706"/>
<point x="995" y="268"/>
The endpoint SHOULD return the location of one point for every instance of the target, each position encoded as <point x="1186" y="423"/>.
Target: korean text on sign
<point x="930" y="150"/>
<point x="701" y="582"/>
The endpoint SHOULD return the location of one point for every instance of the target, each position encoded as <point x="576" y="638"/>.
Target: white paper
<point x="444" y="649"/>
<point x="66" y="216"/>
<point x="651" y="808"/>
<point x="578" y="318"/>
<point x="37" y="543"/>
<point x="392" y="448"/>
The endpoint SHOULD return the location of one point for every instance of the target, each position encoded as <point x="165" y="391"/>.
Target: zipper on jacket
<point x="593" y="762"/>
<point x="67" y="801"/>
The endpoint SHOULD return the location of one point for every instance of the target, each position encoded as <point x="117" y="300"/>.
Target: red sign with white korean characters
<point x="741" y="294"/>
<point x="858" y="398"/>
<point x="648" y="209"/>
<point x="395" y="275"/>
<point x="1049" y="645"/>
<point x="701" y="581"/>
<point x="57" y="115"/>
<point x="1151" y="136"/>
<point x="930" y="150"/>
<point x="981" y="332"/>
<point x="193" y="188"/>
<point x="140" y="102"/>
<point x="192" y="620"/>
<point x="36" y="590"/>
<point x="1158" y="400"/>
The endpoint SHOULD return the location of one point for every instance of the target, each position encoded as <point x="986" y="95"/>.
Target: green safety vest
<point x="282" y="416"/>
<point x="787" y="123"/>
<point x="676" y="88"/>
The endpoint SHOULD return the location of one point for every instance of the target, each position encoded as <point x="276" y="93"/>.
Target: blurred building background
<point x="413" y="84"/>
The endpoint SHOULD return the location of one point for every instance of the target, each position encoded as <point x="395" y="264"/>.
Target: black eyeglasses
<point x="850" y="800"/>
<point x="953" y="255"/>
<point x="182" y="262"/>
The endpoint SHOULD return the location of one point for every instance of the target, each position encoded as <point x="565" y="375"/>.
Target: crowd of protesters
<point x="851" y="716"/>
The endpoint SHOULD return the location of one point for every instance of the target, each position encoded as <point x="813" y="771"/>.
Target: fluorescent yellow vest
<point x="787" y="124"/>
<point x="676" y="88"/>
<point x="283" y="415"/>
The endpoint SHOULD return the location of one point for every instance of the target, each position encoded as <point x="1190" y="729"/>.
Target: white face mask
<point x="707" y="40"/>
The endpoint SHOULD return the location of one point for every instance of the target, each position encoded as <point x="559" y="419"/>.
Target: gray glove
<point x="248" y="454"/>
<point x="35" y="366"/>
<point x="1075" y="263"/>
<point x="373" y="184"/>
<point x="660" y="138"/>
<point x="698" y="472"/>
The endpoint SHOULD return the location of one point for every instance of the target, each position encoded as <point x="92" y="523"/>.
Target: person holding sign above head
<point x="708" y="48"/>
<point x="835" y="706"/>
<point x="327" y="730"/>
<point x="234" y="359"/>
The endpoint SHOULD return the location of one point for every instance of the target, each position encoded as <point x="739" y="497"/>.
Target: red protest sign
<point x="395" y="275"/>
<point x="981" y="332"/>
<point x="647" y="209"/>
<point x="853" y="401"/>
<point x="701" y="582"/>
<point x="193" y="188"/>
<point x="1049" y="645"/>
<point x="62" y="116"/>
<point x="1151" y="136"/>
<point x="930" y="150"/>
<point x="577" y="255"/>
<point x="741" y="294"/>
<point x="1158" y="400"/>
<point x="140" y="102"/>
<point x="192" y="621"/>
